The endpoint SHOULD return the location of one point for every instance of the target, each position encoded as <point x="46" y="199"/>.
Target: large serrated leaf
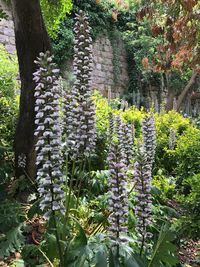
<point x="101" y="258"/>
<point x="164" y="249"/>
<point x="113" y="260"/>
<point x="75" y="254"/>
<point x="12" y="241"/>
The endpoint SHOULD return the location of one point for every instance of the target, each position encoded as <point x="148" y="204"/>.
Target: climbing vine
<point x="101" y="22"/>
<point x="114" y="37"/>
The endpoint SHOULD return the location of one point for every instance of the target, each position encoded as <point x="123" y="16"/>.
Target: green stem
<point x="70" y="191"/>
<point x="66" y="185"/>
<point x="53" y="212"/>
<point x="29" y="178"/>
<point x="132" y="189"/>
<point x="142" y="246"/>
<point x="80" y="183"/>
<point x="159" y="242"/>
<point x="143" y="221"/>
<point x="57" y="239"/>
<point x="45" y="256"/>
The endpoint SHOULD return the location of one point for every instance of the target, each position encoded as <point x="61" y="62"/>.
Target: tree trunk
<point x="31" y="39"/>
<point x="170" y="99"/>
<point x="186" y="89"/>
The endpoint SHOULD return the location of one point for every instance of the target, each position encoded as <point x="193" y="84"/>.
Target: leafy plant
<point x="164" y="250"/>
<point x="188" y="224"/>
<point x="8" y="111"/>
<point x="11" y="224"/>
<point x="54" y="12"/>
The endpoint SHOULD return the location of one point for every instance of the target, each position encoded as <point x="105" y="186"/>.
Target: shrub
<point x="8" y="107"/>
<point x="166" y="158"/>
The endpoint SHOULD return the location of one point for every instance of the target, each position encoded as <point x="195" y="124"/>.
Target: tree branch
<point x="186" y="89"/>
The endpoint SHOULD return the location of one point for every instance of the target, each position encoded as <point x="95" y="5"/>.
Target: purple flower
<point x="118" y="200"/>
<point x="149" y="138"/>
<point x="125" y="136"/>
<point x="128" y="140"/>
<point x="80" y="110"/>
<point x="48" y="133"/>
<point x="143" y="199"/>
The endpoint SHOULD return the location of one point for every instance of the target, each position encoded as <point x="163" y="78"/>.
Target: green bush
<point x="166" y="158"/>
<point x="189" y="223"/>
<point x="9" y="100"/>
<point x="187" y="153"/>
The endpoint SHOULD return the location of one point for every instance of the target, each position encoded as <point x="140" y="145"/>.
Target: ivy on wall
<point x="100" y="19"/>
<point x="54" y="11"/>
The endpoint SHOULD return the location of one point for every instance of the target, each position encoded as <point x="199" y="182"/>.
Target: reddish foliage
<point x="156" y="30"/>
<point x="180" y="34"/>
<point x="145" y="62"/>
<point x="145" y="11"/>
<point x="189" y="4"/>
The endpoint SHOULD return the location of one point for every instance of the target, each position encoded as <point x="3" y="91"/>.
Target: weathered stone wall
<point x="109" y="79"/>
<point x="105" y="77"/>
<point x="7" y="35"/>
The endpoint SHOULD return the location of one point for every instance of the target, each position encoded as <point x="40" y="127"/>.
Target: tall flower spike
<point x="119" y="128"/>
<point x="128" y="142"/>
<point x="111" y="126"/>
<point x="125" y="137"/>
<point x="149" y="138"/>
<point x="48" y="132"/>
<point x="81" y="110"/>
<point x="143" y="199"/>
<point x="118" y="201"/>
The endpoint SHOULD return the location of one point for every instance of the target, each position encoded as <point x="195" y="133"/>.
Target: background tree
<point x="31" y="39"/>
<point x="177" y="23"/>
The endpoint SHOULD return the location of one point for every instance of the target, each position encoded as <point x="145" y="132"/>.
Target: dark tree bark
<point x="170" y="99"/>
<point x="186" y="90"/>
<point x="31" y="39"/>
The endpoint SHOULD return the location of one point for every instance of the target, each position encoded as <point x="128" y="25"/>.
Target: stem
<point x="53" y="212"/>
<point x="57" y="239"/>
<point x="45" y="256"/>
<point x="143" y="221"/>
<point x="142" y="246"/>
<point x="89" y="164"/>
<point x="29" y="178"/>
<point x="118" y="224"/>
<point x="70" y="191"/>
<point x="79" y="186"/>
<point x="66" y="184"/>
<point x="132" y="189"/>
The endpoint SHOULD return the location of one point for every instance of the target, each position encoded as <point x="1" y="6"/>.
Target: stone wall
<point x="7" y="35"/>
<point x="104" y="73"/>
<point x="109" y="79"/>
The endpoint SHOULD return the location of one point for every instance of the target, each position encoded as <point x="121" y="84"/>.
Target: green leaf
<point x="113" y="260"/>
<point x="19" y="263"/>
<point x="164" y="250"/>
<point x="101" y="258"/>
<point x="12" y="241"/>
<point x="77" y="249"/>
<point x="50" y="246"/>
<point x="131" y="262"/>
<point x="134" y="261"/>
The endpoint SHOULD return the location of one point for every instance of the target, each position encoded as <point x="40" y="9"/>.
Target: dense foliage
<point x="8" y="110"/>
<point x="54" y="12"/>
<point x="116" y="185"/>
